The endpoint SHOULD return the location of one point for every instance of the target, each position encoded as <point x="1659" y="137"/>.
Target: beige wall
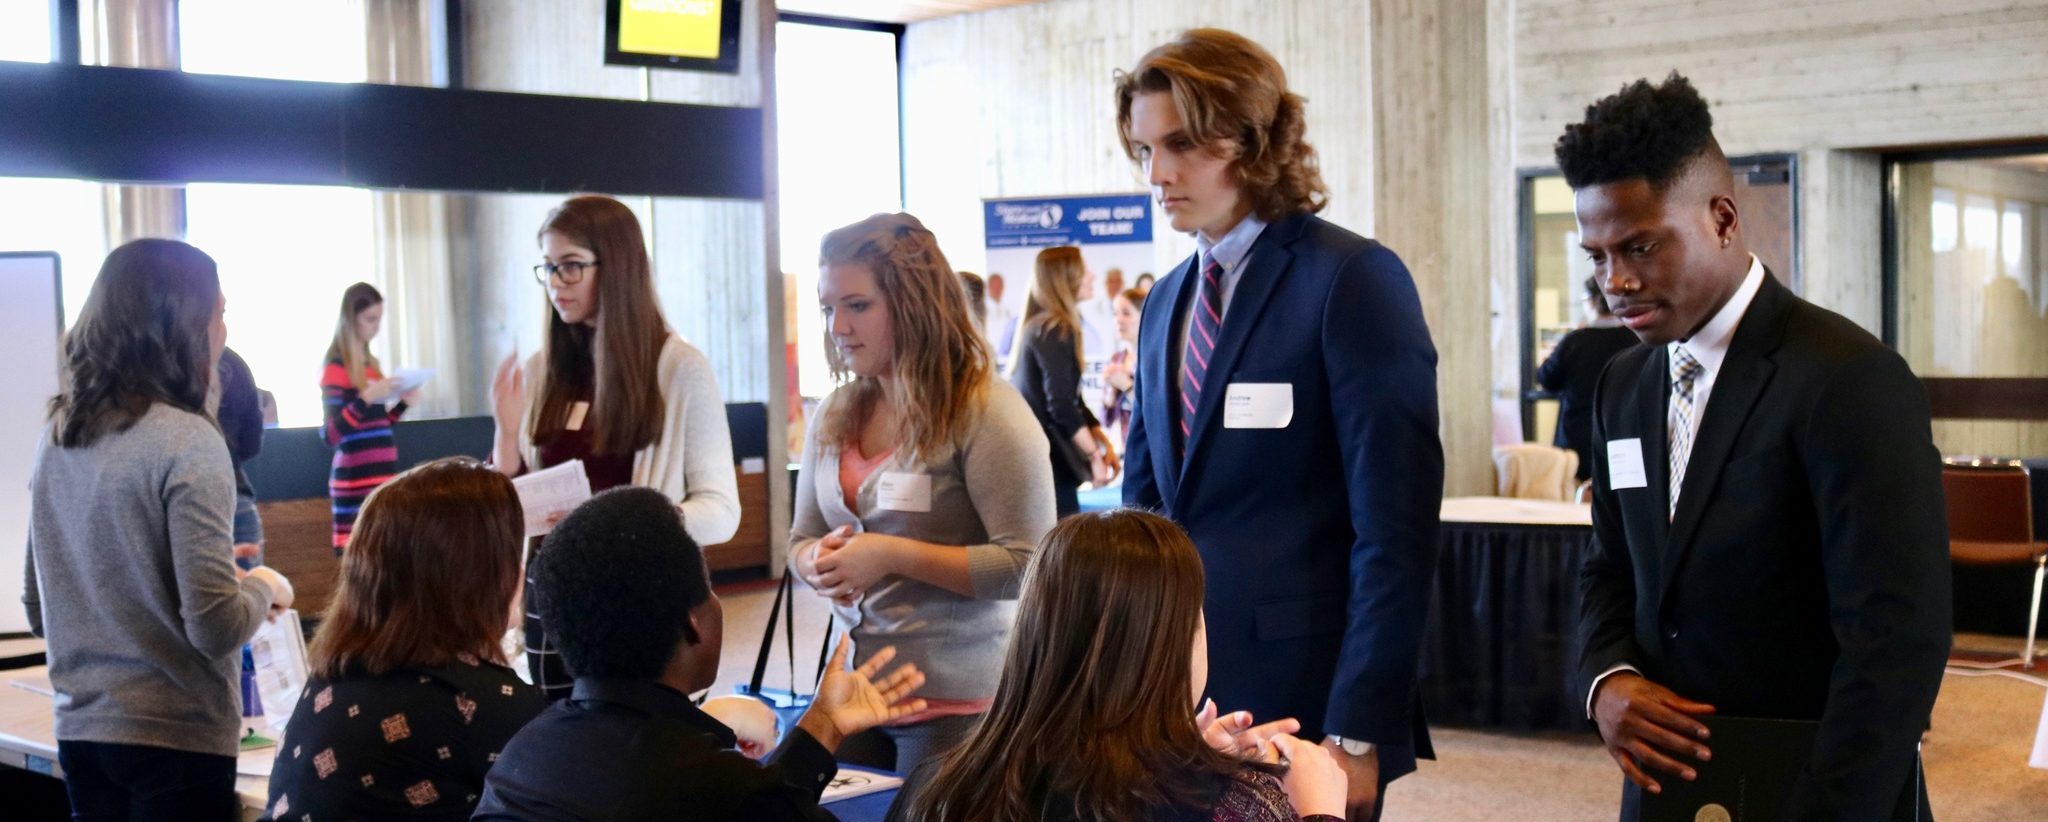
<point x="1827" y="80"/>
<point x="1816" y="79"/>
<point x="1017" y="102"/>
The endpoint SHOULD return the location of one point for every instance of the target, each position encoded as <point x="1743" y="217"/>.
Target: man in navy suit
<point x="1286" y="412"/>
<point x="1770" y="537"/>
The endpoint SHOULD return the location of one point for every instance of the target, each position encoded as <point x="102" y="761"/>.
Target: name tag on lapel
<point x="903" y="491"/>
<point x="1625" y="465"/>
<point x="1258" y="405"/>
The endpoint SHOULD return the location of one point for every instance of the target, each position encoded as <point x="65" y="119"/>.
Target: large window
<point x="1969" y="279"/>
<point x="301" y="40"/>
<point x="65" y="216"/>
<point x="285" y="254"/>
<point x="839" y="148"/>
<point x="25" y="30"/>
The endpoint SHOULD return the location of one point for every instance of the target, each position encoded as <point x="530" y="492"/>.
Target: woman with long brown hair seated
<point x="410" y="699"/>
<point x="1094" y="718"/>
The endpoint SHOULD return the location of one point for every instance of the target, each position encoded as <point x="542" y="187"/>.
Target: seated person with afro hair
<point x="624" y="591"/>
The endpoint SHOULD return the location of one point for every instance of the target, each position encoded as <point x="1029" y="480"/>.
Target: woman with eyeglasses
<point x="614" y="387"/>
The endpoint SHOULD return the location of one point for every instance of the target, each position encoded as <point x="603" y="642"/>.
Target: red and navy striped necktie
<point x="1201" y="345"/>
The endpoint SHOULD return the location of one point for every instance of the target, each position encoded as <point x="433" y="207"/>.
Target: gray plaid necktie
<point x="1679" y="427"/>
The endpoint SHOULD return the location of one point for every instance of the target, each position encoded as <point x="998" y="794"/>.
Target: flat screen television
<point x="700" y="35"/>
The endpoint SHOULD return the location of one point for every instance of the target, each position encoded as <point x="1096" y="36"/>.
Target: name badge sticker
<point x="1258" y="405"/>
<point x="904" y="491"/>
<point x="1625" y="464"/>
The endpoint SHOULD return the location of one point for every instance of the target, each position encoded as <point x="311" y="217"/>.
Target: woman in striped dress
<point x="358" y="426"/>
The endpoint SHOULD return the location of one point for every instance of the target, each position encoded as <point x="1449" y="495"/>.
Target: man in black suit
<point x="628" y="597"/>
<point x="1573" y="369"/>
<point x="1767" y="503"/>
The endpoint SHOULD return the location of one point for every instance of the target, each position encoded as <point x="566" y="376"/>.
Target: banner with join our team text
<point x="1114" y="233"/>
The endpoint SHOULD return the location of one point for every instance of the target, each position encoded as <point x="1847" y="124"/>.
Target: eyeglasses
<point x="571" y="271"/>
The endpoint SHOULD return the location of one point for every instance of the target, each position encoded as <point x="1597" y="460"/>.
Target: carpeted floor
<point x="1976" y="757"/>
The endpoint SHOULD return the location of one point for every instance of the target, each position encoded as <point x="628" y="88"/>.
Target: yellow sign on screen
<point x="679" y="28"/>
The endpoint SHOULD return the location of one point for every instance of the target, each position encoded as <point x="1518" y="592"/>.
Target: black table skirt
<point x="1503" y="635"/>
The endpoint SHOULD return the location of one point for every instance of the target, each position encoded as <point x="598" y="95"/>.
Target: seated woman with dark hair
<point x="410" y="699"/>
<point x="1094" y="719"/>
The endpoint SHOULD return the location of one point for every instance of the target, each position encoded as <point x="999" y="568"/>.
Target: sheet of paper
<point x="279" y="651"/>
<point x="1625" y="464"/>
<point x="556" y="490"/>
<point x="410" y="379"/>
<point x="852" y="782"/>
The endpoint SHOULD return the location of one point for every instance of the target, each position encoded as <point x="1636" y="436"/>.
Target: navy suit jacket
<point x="1319" y="538"/>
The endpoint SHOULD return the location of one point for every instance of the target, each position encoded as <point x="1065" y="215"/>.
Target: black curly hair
<point x="615" y="583"/>
<point x="1643" y="131"/>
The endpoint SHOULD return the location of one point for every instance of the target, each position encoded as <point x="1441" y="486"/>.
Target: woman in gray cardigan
<point x="131" y="573"/>
<point x="925" y="484"/>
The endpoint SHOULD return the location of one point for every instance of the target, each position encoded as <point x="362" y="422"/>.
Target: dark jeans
<point x="107" y="781"/>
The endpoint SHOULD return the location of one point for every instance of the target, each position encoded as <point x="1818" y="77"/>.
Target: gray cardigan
<point x="131" y="579"/>
<point x="992" y="493"/>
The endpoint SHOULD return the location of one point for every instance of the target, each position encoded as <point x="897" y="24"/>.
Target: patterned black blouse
<point x="412" y="744"/>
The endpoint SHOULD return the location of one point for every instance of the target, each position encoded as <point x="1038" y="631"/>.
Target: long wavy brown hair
<point x="141" y="339"/>
<point x="943" y="367"/>
<point x="1232" y="97"/>
<point x="619" y="361"/>
<point x="1053" y="306"/>
<point x="1095" y="702"/>
<point x="348" y="346"/>
<point x="429" y="575"/>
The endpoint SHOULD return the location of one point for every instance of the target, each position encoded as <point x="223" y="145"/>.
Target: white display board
<point x="31" y="322"/>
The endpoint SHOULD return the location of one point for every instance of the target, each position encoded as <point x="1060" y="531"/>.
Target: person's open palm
<point x="854" y="700"/>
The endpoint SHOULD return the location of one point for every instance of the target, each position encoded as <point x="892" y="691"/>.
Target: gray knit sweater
<point x="991" y="493"/>
<point x="131" y="579"/>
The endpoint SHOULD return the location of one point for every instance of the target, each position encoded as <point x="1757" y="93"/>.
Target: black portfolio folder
<point x="1755" y="763"/>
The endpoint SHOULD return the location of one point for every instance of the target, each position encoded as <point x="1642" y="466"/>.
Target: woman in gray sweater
<point x="925" y="484"/>
<point x="131" y="574"/>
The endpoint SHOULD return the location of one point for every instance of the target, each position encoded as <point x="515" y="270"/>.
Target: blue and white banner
<point x="1047" y="221"/>
<point x="1114" y="233"/>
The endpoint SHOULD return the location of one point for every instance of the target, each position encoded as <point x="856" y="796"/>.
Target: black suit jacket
<point x="1319" y="537"/>
<point x="1048" y="374"/>
<point x="1805" y="574"/>
<point x="627" y="749"/>
<point x="1571" y="372"/>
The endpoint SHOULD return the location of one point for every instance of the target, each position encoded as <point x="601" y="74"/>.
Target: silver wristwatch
<point x="1352" y="747"/>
